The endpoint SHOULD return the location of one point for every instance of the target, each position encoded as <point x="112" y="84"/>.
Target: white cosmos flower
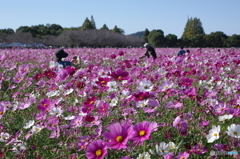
<point x="234" y="131"/>
<point x="51" y="64"/>
<point x="4" y="136"/>
<point x="142" y="103"/>
<point x="144" y="155"/>
<point x="112" y="86"/>
<point x="213" y="134"/>
<point x="114" y="102"/>
<point x="171" y="145"/>
<point x="225" y="117"/>
<point x="29" y="124"/>
<point x="57" y="111"/>
<point x="145" y="86"/>
<point x="19" y="146"/>
<point x="53" y="93"/>
<point x="36" y="129"/>
<point x="162" y="148"/>
<point x="69" y="91"/>
<point x="69" y="117"/>
<point x="124" y="94"/>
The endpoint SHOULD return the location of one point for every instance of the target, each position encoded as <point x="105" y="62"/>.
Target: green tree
<point x="93" y="22"/>
<point x="193" y="27"/>
<point x="118" y="30"/>
<point x="87" y="25"/>
<point x="233" y="41"/>
<point x="156" y="38"/>
<point x="216" y="39"/>
<point x="145" y="35"/>
<point x="198" y="40"/>
<point x="105" y="27"/>
<point x="171" y="40"/>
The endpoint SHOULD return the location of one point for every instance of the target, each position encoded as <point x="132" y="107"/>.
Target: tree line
<point x="88" y="35"/>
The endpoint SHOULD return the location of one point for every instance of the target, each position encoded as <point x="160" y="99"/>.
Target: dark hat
<point x="60" y="54"/>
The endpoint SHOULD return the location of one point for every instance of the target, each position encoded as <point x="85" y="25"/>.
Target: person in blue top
<point x="181" y="51"/>
<point x="60" y="54"/>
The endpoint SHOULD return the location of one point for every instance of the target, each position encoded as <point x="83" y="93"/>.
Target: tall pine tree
<point x="145" y="35"/>
<point x="193" y="27"/>
<point x="87" y="25"/>
<point x="93" y="22"/>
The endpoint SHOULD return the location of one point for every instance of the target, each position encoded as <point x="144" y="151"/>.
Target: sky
<point x="130" y="15"/>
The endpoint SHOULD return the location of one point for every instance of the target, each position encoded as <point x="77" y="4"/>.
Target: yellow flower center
<point x="18" y="79"/>
<point x="142" y="133"/>
<point x="91" y="102"/>
<point x="98" y="152"/>
<point x="119" y="138"/>
<point x="120" y="77"/>
<point x="215" y="134"/>
<point x="182" y="158"/>
<point x="235" y="133"/>
<point x="1" y="113"/>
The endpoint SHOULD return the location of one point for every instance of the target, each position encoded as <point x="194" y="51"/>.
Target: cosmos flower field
<point x="115" y="106"/>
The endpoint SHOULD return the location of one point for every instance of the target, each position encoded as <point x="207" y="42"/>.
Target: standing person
<point x="60" y="54"/>
<point x="149" y="51"/>
<point x="181" y="51"/>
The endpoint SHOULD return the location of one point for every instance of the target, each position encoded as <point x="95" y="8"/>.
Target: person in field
<point x="60" y="55"/>
<point x="181" y="51"/>
<point x="149" y="51"/>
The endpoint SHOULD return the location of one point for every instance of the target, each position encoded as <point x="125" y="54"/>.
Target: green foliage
<point x="198" y="40"/>
<point x="105" y="27"/>
<point x="192" y="27"/>
<point x="41" y="30"/>
<point x="233" y="41"/>
<point x="118" y="30"/>
<point x="93" y="22"/>
<point x="216" y="39"/>
<point x="87" y="25"/>
<point x="156" y="38"/>
<point x="171" y="40"/>
<point x="145" y="35"/>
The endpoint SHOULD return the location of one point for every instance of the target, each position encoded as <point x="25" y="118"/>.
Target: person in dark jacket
<point x="149" y="51"/>
<point x="60" y="54"/>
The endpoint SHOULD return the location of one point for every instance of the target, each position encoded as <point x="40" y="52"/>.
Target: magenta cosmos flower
<point x="96" y="150"/>
<point x="120" y="75"/>
<point x="143" y="130"/>
<point x="45" y="104"/>
<point x="118" y="135"/>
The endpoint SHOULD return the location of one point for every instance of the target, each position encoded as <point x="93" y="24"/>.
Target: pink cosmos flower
<point x="45" y="104"/>
<point x="118" y="135"/>
<point x="179" y="123"/>
<point x="2" y="109"/>
<point x="102" y="81"/>
<point x="77" y="121"/>
<point x="1" y="77"/>
<point x="143" y="130"/>
<point x="169" y="156"/>
<point x="198" y="150"/>
<point x="96" y="150"/>
<point x="120" y="75"/>
<point x="220" y="108"/>
<point x="183" y="155"/>
<point x="23" y="69"/>
<point x="18" y="78"/>
<point x="170" y="104"/>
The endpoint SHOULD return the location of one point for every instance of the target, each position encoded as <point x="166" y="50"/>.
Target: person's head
<point x="75" y="58"/>
<point x="60" y="54"/>
<point x="182" y="47"/>
<point x="146" y="45"/>
<point x="188" y="51"/>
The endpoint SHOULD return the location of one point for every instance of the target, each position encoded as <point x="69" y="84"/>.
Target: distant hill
<point x="138" y="34"/>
